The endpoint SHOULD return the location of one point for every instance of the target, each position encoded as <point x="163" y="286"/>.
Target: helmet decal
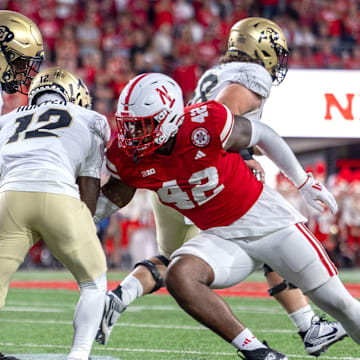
<point x="149" y="113"/>
<point x="6" y="34"/>
<point x="163" y="93"/>
<point x="63" y="82"/>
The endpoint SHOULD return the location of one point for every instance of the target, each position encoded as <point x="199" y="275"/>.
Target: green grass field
<point x="37" y="324"/>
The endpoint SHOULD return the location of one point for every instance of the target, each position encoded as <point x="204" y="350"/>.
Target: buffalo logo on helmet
<point x="6" y="34"/>
<point x="269" y="33"/>
<point x="200" y="137"/>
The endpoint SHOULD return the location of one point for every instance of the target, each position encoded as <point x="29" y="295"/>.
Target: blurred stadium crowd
<point x="107" y="42"/>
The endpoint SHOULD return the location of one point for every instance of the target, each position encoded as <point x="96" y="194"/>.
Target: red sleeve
<point x="224" y="120"/>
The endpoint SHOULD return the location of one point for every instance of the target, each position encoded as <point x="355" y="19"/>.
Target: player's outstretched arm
<point x="246" y="133"/>
<point x="113" y="196"/>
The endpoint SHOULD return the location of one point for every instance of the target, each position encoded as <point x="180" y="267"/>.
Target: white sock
<point x="333" y="298"/>
<point x="131" y="289"/>
<point x="87" y="317"/>
<point x="246" y="340"/>
<point x="302" y="318"/>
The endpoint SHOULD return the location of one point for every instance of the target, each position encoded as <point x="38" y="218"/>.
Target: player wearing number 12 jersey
<point x="51" y="153"/>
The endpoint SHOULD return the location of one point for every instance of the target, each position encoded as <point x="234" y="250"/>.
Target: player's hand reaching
<point x="314" y="193"/>
<point x="257" y="169"/>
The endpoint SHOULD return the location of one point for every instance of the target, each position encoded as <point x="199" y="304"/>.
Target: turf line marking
<point x="39" y="307"/>
<point x="32" y="309"/>
<point x="150" y="326"/>
<point x="47" y="346"/>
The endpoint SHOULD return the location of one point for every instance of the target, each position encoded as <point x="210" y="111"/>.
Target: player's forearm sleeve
<point x="247" y="154"/>
<point x="104" y="208"/>
<point x="278" y="151"/>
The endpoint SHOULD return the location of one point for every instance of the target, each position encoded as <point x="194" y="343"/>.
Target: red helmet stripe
<point x="127" y="99"/>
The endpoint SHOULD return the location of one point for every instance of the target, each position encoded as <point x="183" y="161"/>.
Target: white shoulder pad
<point x="101" y="127"/>
<point x="253" y="76"/>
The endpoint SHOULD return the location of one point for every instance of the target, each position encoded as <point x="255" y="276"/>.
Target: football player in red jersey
<point x="256" y="59"/>
<point x="190" y="159"/>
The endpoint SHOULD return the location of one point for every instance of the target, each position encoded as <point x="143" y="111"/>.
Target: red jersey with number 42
<point x="199" y="178"/>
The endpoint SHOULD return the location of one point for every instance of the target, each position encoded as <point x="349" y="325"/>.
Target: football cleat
<point x="114" y="307"/>
<point x="3" y="357"/>
<point x="262" y="354"/>
<point x="321" y="335"/>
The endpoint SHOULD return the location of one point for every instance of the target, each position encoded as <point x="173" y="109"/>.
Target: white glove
<point x="312" y="191"/>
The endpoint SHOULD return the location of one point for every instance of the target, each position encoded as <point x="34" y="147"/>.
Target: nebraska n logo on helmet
<point x="149" y="113"/>
<point x="263" y="40"/>
<point x="163" y="93"/>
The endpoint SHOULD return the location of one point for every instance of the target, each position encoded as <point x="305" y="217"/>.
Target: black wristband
<point x="247" y="153"/>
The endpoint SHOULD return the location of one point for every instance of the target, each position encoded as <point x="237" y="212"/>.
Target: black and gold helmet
<point x="21" y="51"/>
<point x="63" y="82"/>
<point x="263" y="40"/>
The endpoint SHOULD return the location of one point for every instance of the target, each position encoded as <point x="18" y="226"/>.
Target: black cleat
<point x="3" y="357"/>
<point x="262" y="354"/>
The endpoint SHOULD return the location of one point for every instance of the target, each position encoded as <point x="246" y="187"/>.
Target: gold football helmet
<point x="63" y="82"/>
<point x="261" y="39"/>
<point x="21" y="51"/>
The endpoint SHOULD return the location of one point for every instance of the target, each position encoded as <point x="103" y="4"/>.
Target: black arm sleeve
<point x="247" y="154"/>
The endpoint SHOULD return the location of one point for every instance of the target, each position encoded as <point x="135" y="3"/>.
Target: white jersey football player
<point x="255" y="60"/>
<point x="51" y="153"/>
<point x="21" y="52"/>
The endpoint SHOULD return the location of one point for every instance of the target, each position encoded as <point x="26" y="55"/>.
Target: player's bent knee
<point x="285" y="285"/>
<point x="159" y="281"/>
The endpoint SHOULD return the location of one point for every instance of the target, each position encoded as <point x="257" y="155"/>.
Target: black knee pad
<point x="163" y="259"/>
<point x="278" y="288"/>
<point x="159" y="281"/>
<point x="281" y="287"/>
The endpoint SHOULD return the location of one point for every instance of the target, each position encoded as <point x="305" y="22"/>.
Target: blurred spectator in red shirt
<point x="207" y="51"/>
<point x="163" y="13"/>
<point x="140" y="10"/>
<point x="187" y="74"/>
<point x="185" y="44"/>
<point x="325" y="57"/>
<point x="66" y="45"/>
<point x="329" y="13"/>
<point x="206" y="13"/>
<point x="50" y="28"/>
<point x="111" y="41"/>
